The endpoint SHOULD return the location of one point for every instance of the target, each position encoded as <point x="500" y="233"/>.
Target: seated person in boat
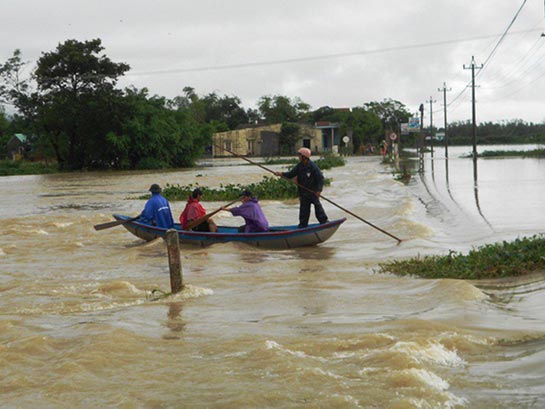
<point x="194" y="211"/>
<point x="251" y="212"/>
<point x="157" y="209"/>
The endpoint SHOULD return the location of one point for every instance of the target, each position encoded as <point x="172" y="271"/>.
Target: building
<point x="330" y="133"/>
<point x="17" y="146"/>
<point x="264" y="140"/>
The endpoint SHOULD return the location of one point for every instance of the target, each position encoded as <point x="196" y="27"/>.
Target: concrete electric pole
<point x="472" y="67"/>
<point x="444" y="90"/>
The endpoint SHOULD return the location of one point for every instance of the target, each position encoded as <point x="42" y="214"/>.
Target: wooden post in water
<point x="174" y="261"/>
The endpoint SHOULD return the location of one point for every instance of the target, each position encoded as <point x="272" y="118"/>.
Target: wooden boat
<point x="280" y="237"/>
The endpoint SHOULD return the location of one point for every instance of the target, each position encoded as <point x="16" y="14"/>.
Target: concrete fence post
<point x="174" y="261"/>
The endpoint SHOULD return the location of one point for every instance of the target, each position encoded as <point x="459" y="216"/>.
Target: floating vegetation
<point x="505" y="259"/>
<point x="403" y="175"/>
<point x="535" y="153"/>
<point x="270" y="188"/>
<point x="327" y="161"/>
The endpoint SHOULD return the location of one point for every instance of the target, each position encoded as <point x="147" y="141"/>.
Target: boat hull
<point x="278" y="238"/>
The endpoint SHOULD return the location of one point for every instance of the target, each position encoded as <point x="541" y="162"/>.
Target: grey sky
<point x="368" y="50"/>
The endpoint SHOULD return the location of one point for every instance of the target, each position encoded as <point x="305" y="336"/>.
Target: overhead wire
<point x="508" y="72"/>
<point x="316" y="57"/>
<point x="493" y="52"/>
<point x="490" y="56"/>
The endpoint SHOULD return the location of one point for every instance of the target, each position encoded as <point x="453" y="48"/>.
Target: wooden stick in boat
<point x="309" y="190"/>
<point x="207" y="216"/>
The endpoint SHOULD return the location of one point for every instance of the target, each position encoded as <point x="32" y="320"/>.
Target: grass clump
<point x="506" y="259"/>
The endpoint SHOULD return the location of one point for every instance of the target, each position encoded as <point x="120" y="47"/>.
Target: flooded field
<point x="310" y="327"/>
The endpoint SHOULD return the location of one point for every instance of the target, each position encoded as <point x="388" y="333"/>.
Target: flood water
<point x="304" y="328"/>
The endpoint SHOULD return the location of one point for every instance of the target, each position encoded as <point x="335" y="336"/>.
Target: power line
<point x="521" y="74"/>
<point x="502" y="37"/>
<point x="317" y="57"/>
<point x="503" y="74"/>
<point x="491" y="53"/>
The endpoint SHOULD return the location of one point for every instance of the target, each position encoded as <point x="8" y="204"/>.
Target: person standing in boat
<point x="309" y="176"/>
<point x="194" y="210"/>
<point x="157" y="209"/>
<point x="251" y="212"/>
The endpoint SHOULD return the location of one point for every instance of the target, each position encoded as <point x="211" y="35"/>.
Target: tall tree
<point x="278" y="109"/>
<point x="392" y="113"/>
<point x="152" y="135"/>
<point x="76" y="89"/>
<point x="224" y="109"/>
<point x="289" y="136"/>
<point x="15" y="88"/>
<point x="365" y="125"/>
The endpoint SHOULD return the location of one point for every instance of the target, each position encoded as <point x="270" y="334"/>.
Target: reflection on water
<point x="174" y="322"/>
<point x="476" y="190"/>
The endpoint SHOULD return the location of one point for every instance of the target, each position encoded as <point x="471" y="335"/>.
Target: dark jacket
<point x="309" y="176"/>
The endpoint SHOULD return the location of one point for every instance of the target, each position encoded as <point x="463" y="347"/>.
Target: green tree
<point x="289" y="135"/>
<point x="364" y="125"/>
<point x="278" y="109"/>
<point x="4" y="135"/>
<point x="74" y="101"/>
<point x="152" y="135"/>
<point x="224" y="109"/>
<point x="392" y="113"/>
<point x="13" y="84"/>
<point x="324" y="113"/>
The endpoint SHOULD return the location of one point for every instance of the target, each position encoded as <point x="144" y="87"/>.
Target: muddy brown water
<point x="312" y="328"/>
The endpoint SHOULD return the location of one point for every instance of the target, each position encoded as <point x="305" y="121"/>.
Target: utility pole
<point x="422" y="139"/>
<point x="472" y="67"/>
<point x="444" y="90"/>
<point x="543" y="34"/>
<point x="431" y="101"/>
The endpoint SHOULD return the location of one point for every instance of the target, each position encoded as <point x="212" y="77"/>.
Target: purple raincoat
<point x="253" y="216"/>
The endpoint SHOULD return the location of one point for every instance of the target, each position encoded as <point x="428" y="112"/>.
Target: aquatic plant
<point x="535" y="153"/>
<point x="269" y="188"/>
<point x="505" y="259"/>
<point x="327" y="161"/>
<point x="402" y="175"/>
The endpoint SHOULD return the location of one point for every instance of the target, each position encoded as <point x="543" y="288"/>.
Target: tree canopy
<point x="89" y="123"/>
<point x="71" y="108"/>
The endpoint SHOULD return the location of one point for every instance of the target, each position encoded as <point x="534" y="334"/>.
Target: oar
<point x="207" y="216"/>
<point x="310" y="190"/>
<point x="114" y="223"/>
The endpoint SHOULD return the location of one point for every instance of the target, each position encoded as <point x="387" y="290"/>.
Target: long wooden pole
<point x="310" y="190"/>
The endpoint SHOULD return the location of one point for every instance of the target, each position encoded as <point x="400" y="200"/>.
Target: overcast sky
<point x="340" y="53"/>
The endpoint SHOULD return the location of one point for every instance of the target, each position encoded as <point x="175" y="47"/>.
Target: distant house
<point x="329" y="132"/>
<point x="17" y="145"/>
<point x="262" y="140"/>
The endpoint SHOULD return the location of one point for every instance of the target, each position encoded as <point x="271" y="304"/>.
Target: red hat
<point x="305" y="152"/>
